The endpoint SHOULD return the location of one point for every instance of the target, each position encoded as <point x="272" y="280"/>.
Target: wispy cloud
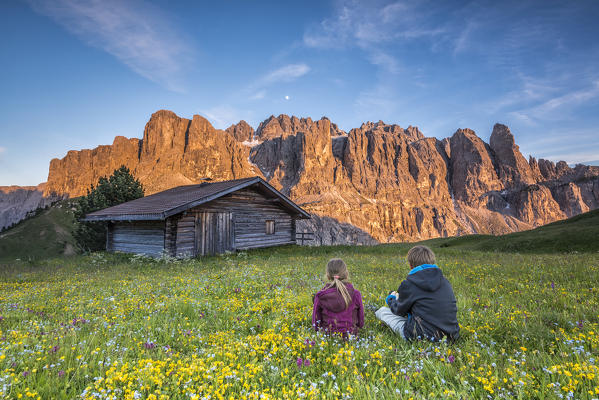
<point x="462" y="42"/>
<point x="365" y="24"/>
<point x="378" y="29"/>
<point x="557" y="107"/>
<point x="135" y="32"/>
<point x="259" y="95"/>
<point x="373" y="27"/>
<point x="287" y="73"/>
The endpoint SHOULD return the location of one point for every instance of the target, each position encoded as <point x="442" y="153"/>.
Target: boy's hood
<point x="332" y="300"/>
<point x="428" y="279"/>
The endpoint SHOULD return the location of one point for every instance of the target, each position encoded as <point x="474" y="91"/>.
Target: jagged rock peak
<point x="512" y="167"/>
<point x="285" y="125"/>
<point x="335" y="130"/>
<point x="501" y="136"/>
<point x="202" y="124"/>
<point x="163" y="114"/>
<point x="473" y="173"/>
<point x="551" y="170"/>
<point x="466" y="132"/>
<point x="412" y="132"/>
<point x="242" y="131"/>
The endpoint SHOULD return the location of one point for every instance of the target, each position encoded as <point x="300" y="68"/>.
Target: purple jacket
<point x="330" y="314"/>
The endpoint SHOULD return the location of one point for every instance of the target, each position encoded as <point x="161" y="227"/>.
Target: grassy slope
<point x="45" y="235"/>
<point x="49" y="234"/>
<point x="579" y="233"/>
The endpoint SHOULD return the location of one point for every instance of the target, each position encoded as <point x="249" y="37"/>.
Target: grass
<point x="579" y="233"/>
<point x="237" y="326"/>
<point x="45" y="235"/>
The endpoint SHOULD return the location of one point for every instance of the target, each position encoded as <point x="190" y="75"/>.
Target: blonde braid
<point x="338" y="274"/>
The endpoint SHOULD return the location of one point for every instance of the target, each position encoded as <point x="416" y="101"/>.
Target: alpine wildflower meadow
<point x="238" y="326"/>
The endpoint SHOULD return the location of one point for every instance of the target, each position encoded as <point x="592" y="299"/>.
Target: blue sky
<point x="77" y="73"/>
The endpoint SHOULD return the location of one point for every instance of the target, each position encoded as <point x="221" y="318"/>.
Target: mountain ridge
<point x="381" y="181"/>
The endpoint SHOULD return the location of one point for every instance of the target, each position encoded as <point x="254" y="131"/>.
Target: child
<point x="338" y="306"/>
<point x="424" y="306"/>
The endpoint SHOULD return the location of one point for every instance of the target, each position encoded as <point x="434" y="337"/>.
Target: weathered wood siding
<point x="109" y="231"/>
<point x="250" y="211"/>
<point x="143" y="237"/>
<point x="185" y="236"/>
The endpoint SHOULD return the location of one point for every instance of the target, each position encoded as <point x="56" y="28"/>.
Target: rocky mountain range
<point x="379" y="182"/>
<point x="16" y="202"/>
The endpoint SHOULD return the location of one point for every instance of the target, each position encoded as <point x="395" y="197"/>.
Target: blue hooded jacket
<point x="427" y="298"/>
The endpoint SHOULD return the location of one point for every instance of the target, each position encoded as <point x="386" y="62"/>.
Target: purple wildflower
<point x="54" y="349"/>
<point x="306" y="363"/>
<point x="552" y="285"/>
<point x="451" y="359"/>
<point x="580" y="324"/>
<point x="77" y="321"/>
<point x="149" y="345"/>
<point x="61" y="373"/>
<point x="25" y="373"/>
<point x="299" y="362"/>
<point x="1" y="318"/>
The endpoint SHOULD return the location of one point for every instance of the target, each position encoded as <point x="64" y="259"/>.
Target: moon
<point x="286" y="97"/>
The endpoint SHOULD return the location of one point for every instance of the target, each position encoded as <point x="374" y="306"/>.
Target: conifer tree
<point x="120" y="187"/>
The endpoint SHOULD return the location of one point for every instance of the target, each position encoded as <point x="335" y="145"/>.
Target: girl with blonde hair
<point x="338" y="306"/>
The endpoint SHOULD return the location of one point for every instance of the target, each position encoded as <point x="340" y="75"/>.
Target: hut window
<point x="270" y="227"/>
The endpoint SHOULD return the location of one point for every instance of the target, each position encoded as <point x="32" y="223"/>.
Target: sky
<point x="75" y="74"/>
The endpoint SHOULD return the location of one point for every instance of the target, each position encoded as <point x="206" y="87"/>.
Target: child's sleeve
<point x="316" y="313"/>
<point x="360" y="310"/>
<point x="403" y="304"/>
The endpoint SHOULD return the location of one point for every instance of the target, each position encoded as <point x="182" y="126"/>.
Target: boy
<point x="424" y="306"/>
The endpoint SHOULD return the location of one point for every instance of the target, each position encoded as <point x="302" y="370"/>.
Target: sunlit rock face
<point x="379" y="182"/>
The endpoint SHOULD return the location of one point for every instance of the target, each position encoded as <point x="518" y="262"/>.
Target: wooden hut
<point x="204" y="219"/>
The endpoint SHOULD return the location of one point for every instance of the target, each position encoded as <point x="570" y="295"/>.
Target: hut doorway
<point x="214" y="233"/>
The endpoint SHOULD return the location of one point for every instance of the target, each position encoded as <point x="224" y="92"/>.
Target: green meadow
<point x="110" y="326"/>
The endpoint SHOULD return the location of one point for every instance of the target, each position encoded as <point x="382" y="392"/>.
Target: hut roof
<point x="159" y="206"/>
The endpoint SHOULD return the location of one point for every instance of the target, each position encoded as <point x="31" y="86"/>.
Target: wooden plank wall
<point x="140" y="237"/>
<point x="250" y="211"/>
<point x="185" y="238"/>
